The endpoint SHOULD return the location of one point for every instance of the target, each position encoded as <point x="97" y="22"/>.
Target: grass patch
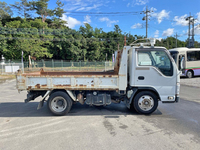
<point x="10" y="76"/>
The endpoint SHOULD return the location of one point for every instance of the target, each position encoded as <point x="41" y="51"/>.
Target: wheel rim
<point x="146" y="102"/>
<point x="189" y="74"/>
<point x="58" y="104"/>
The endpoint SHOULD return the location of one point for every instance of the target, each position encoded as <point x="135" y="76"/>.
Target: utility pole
<point x="124" y="40"/>
<point x="146" y="18"/>
<point x="176" y="39"/>
<point x="193" y="30"/>
<point x="190" y="40"/>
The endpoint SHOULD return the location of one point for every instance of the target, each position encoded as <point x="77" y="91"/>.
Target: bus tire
<point x="189" y="74"/>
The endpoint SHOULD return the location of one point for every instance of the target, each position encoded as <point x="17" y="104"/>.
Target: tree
<point x="23" y="7"/>
<point x="3" y="41"/>
<point x="5" y="10"/>
<point x="56" y="23"/>
<point x="41" y="7"/>
<point x="23" y="36"/>
<point x="117" y="29"/>
<point x="93" y="49"/>
<point x="59" y="11"/>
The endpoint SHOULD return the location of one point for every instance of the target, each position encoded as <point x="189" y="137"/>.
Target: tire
<point x="189" y="74"/>
<point x="145" y="102"/>
<point x="132" y="108"/>
<point x="59" y="103"/>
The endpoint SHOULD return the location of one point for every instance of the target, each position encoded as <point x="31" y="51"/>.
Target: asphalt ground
<point x="171" y="126"/>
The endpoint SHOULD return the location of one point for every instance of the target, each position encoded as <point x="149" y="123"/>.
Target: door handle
<point x="141" y="78"/>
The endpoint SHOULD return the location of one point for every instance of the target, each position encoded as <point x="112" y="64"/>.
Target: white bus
<point x="187" y="60"/>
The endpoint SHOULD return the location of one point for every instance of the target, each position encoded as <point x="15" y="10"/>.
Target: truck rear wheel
<point x="59" y="103"/>
<point x="145" y="102"/>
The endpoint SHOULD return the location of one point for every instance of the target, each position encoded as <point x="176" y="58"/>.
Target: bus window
<point x="193" y="55"/>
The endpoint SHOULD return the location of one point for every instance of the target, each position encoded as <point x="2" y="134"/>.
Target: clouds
<point x="88" y="8"/>
<point x="156" y="34"/>
<point x="80" y="5"/>
<point x="159" y="15"/>
<point x="108" y="21"/>
<point x="87" y="19"/>
<point x="168" y="32"/>
<point x="137" y="2"/>
<point x="128" y="5"/>
<point x="197" y="30"/>
<point x="180" y="20"/>
<point x="141" y="2"/>
<point x="137" y="25"/>
<point x="71" y="22"/>
<point x="198" y="17"/>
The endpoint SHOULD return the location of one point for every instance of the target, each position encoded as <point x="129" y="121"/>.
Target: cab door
<point x="155" y="69"/>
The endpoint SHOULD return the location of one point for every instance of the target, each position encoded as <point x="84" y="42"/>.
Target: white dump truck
<point x="142" y="76"/>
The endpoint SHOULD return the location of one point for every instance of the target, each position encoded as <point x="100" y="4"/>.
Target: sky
<point x="167" y="17"/>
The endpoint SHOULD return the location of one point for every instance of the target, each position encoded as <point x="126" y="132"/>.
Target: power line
<point x="102" y="15"/>
<point x="97" y="13"/>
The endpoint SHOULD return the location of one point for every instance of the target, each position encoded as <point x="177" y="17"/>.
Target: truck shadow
<point x="19" y="109"/>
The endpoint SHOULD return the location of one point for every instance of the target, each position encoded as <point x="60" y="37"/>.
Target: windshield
<point x="156" y="58"/>
<point x="174" y="55"/>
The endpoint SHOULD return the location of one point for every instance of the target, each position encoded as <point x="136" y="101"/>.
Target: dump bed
<point x="67" y="80"/>
<point x="109" y="80"/>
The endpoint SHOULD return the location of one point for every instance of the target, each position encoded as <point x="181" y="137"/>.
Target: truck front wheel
<point x="59" y="103"/>
<point x="145" y="102"/>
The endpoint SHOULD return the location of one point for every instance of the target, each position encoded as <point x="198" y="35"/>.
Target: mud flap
<point x="40" y="105"/>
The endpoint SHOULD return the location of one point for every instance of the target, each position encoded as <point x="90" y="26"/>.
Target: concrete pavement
<point x="172" y="126"/>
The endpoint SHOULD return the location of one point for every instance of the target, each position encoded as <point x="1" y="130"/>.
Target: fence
<point x="56" y="65"/>
<point x="61" y="65"/>
<point x="7" y="68"/>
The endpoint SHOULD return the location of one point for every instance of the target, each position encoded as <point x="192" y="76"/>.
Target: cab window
<point x="158" y="59"/>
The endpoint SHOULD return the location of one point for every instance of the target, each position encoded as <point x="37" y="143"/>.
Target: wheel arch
<point x="140" y="89"/>
<point x="69" y="93"/>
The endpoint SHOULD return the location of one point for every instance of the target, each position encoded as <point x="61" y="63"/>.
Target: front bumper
<point x="176" y="100"/>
